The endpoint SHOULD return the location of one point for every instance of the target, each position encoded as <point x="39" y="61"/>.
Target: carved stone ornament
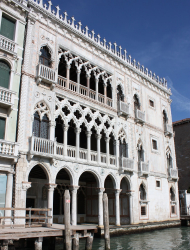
<point x="26" y="185"/>
<point x="37" y="94"/>
<point x="102" y="171"/>
<point x="56" y="164"/>
<point x="76" y="168"/>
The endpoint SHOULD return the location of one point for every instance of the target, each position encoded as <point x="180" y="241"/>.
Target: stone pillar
<point x="78" y="80"/>
<point x="100" y="207"/>
<point x="131" y="194"/>
<point x="8" y="198"/>
<point x="52" y="130"/>
<point x="98" y="136"/>
<point x="88" y="84"/>
<point x="117" y="207"/>
<point x="51" y="188"/>
<point x="65" y="139"/>
<point x="105" y="93"/>
<point x="88" y="134"/>
<point x="77" y="131"/>
<point x="38" y="243"/>
<point x="97" y="88"/>
<point x="117" y="153"/>
<point x="74" y="205"/>
<point x="107" y="150"/>
<point x="68" y="76"/>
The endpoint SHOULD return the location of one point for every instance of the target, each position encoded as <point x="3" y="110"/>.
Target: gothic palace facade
<point x="91" y="120"/>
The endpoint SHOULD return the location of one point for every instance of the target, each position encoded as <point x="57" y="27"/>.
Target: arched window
<point x="120" y="95"/>
<point x="123" y="149"/>
<point x="142" y="192"/>
<point x="45" y="56"/>
<point x="169" y="161"/>
<point x="136" y="102"/>
<point x="172" y="195"/>
<point x="140" y="153"/>
<point x="165" y="119"/>
<point x="41" y="127"/>
<point x="109" y="90"/>
<point x="4" y="74"/>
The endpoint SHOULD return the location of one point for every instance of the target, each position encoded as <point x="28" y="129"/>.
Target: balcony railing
<point x="7" y="97"/>
<point x="123" y="108"/>
<point x="83" y="90"/>
<point x="173" y="173"/>
<point x="92" y="94"/>
<point x="101" y="98"/>
<point x="73" y="86"/>
<point x="126" y="164"/>
<point x="103" y="158"/>
<point x="8" y="45"/>
<point x="143" y="168"/>
<point x="112" y="160"/>
<point x="109" y="102"/>
<point x="62" y="81"/>
<point x="9" y="150"/>
<point x="168" y="130"/>
<point x="140" y="116"/>
<point x="46" y="74"/>
<point x="93" y="156"/>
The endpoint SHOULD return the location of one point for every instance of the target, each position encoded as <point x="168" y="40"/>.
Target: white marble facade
<point x="122" y="108"/>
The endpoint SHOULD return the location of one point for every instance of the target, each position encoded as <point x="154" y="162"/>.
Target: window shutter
<point x="2" y="128"/>
<point x="4" y="75"/>
<point x="7" y="28"/>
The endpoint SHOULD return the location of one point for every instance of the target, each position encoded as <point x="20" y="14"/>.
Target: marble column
<point x="117" y="153"/>
<point x="88" y="84"/>
<point x="100" y="207"/>
<point x="74" y="205"/>
<point x="65" y="139"/>
<point x="98" y="136"/>
<point x="105" y="93"/>
<point x="8" y="198"/>
<point x="88" y="134"/>
<point x="78" y="81"/>
<point x="97" y="80"/>
<point x="131" y="194"/>
<point x="50" y="188"/>
<point x="77" y="131"/>
<point x="68" y="75"/>
<point x="117" y="207"/>
<point x="52" y="130"/>
<point x="107" y="150"/>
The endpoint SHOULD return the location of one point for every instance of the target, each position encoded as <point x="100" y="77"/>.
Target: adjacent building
<point x="91" y="120"/>
<point x="12" y="30"/>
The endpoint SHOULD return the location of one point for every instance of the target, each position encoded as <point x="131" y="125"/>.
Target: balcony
<point x="8" y="45"/>
<point x="7" y="98"/>
<point x="123" y="109"/>
<point x="9" y="150"/>
<point x="143" y="168"/>
<point x="52" y="149"/>
<point x="47" y="75"/>
<point x="173" y="174"/>
<point x="168" y="130"/>
<point x="83" y="90"/>
<point x="126" y="164"/>
<point x="140" y="116"/>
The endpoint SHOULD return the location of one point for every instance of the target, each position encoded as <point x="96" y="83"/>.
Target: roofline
<point x="180" y="122"/>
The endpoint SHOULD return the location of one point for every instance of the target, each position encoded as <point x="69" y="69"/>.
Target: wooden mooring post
<point x="106" y="222"/>
<point x="67" y="242"/>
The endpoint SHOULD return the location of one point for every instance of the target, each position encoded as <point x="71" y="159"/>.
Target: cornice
<point x="95" y="41"/>
<point x="19" y="3"/>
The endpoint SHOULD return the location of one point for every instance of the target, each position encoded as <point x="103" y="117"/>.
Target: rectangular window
<point x="143" y="210"/>
<point x="151" y="103"/>
<point x="158" y="184"/>
<point x="7" y="27"/>
<point x="2" y="128"/>
<point x="154" y="144"/>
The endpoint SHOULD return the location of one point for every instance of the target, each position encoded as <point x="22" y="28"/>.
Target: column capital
<point x="52" y="123"/>
<point x="101" y="190"/>
<point x="51" y="186"/>
<point x="88" y="133"/>
<point x="74" y="188"/>
<point x="66" y="127"/>
<point x="26" y="185"/>
<point x="107" y="138"/>
<point x="98" y="136"/>
<point x="77" y="130"/>
<point x="130" y="193"/>
<point x="118" y="191"/>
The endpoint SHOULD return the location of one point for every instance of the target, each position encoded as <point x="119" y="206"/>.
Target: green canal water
<point x="166" y="239"/>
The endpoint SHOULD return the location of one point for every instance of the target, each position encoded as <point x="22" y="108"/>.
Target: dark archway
<point x="87" y="198"/>
<point x="59" y="130"/>
<point x="83" y="79"/>
<point x="73" y="72"/>
<point x="62" y="69"/>
<point x="45" y="56"/>
<point x="63" y="182"/>
<point x="37" y="195"/>
<point x="109" y="90"/>
<point x="120" y="95"/>
<point x="92" y="81"/>
<point x="101" y="86"/>
<point x="124" y="202"/>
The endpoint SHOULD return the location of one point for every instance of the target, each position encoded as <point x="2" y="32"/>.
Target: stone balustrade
<point x="115" y="51"/>
<point x="9" y="150"/>
<point x="123" y="108"/>
<point x="126" y="164"/>
<point x="139" y="116"/>
<point x="143" y="168"/>
<point x="168" y="130"/>
<point x="51" y="149"/>
<point x="173" y="173"/>
<point x="46" y="74"/>
<point x="7" y="97"/>
<point x="8" y="45"/>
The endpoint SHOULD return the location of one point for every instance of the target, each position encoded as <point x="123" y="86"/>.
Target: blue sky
<point x="154" y="32"/>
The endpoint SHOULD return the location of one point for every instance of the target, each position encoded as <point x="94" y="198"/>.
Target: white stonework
<point x="141" y="168"/>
